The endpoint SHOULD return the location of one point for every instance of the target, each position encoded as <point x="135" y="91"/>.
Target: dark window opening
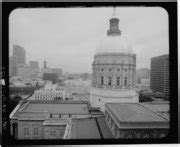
<point x="102" y="80"/>
<point x="109" y="81"/>
<point x="125" y="81"/>
<point x="118" y="81"/>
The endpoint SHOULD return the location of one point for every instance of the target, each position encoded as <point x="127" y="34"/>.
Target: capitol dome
<point x="114" y="44"/>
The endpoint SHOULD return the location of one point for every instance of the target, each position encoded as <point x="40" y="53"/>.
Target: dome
<point x="114" y="44"/>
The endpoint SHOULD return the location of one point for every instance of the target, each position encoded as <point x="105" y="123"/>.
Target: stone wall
<point x="133" y="133"/>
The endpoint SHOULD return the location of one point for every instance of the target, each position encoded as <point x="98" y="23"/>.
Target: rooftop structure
<point x="69" y="117"/>
<point x="133" y="120"/>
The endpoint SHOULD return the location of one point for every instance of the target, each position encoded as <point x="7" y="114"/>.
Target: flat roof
<point x="73" y="108"/>
<point x="85" y="129"/>
<point x="157" y="107"/>
<point x="133" y="112"/>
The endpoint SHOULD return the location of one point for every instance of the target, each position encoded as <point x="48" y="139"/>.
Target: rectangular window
<point x="36" y="131"/>
<point x="109" y="81"/>
<point x="26" y="131"/>
<point x="50" y="115"/>
<point x="125" y="81"/>
<point x="102" y="80"/>
<point x="52" y="134"/>
<point x="118" y="81"/>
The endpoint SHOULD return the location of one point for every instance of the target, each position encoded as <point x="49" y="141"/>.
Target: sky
<point x="67" y="38"/>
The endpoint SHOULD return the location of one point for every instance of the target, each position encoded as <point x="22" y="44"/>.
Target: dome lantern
<point x="114" y="42"/>
<point x="114" y="26"/>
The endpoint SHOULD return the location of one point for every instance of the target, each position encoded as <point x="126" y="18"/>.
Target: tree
<point x="14" y="101"/>
<point x="145" y="98"/>
<point x="37" y="84"/>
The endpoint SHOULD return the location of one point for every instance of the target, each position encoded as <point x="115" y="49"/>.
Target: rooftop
<point x="42" y="108"/>
<point x="91" y="128"/>
<point x="85" y="129"/>
<point x="157" y="107"/>
<point x="134" y="112"/>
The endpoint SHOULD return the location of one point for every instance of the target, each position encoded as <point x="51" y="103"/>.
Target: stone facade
<point x="37" y="129"/>
<point x="120" y="68"/>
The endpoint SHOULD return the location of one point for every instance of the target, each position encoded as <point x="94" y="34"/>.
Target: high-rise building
<point x="160" y="74"/>
<point x="20" y="54"/>
<point x="13" y="66"/>
<point x="45" y="64"/>
<point x="114" y="69"/>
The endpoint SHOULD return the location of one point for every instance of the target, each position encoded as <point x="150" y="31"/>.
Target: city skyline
<point x="72" y="34"/>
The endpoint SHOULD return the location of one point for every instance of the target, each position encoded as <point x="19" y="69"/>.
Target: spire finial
<point x="114" y="11"/>
<point x="114" y="8"/>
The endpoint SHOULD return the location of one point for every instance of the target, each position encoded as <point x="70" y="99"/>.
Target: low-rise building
<point x="54" y="120"/>
<point x="133" y="120"/>
<point x="50" y="92"/>
<point x="43" y="94"/>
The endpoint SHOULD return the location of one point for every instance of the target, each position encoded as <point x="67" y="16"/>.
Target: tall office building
<point x="13" y="66"/>
<point x="20" y="54"/>
<point x="160" y="74"/>
<point x="45" y="64"/>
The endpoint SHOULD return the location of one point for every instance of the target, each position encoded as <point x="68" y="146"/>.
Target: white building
<point x="144" y="84"/>
<point x="78" y="89"/>
<point x="49" y="93"/>
<point x="114" y="68"/>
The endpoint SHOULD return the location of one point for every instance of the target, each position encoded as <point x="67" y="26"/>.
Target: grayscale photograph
<point x="89" y="73"/>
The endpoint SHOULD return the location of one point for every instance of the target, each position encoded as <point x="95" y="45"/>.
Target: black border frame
<point x="170" y="7"/>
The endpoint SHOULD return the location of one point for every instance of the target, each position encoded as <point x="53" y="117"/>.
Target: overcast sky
<point x="67" y="37"/>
